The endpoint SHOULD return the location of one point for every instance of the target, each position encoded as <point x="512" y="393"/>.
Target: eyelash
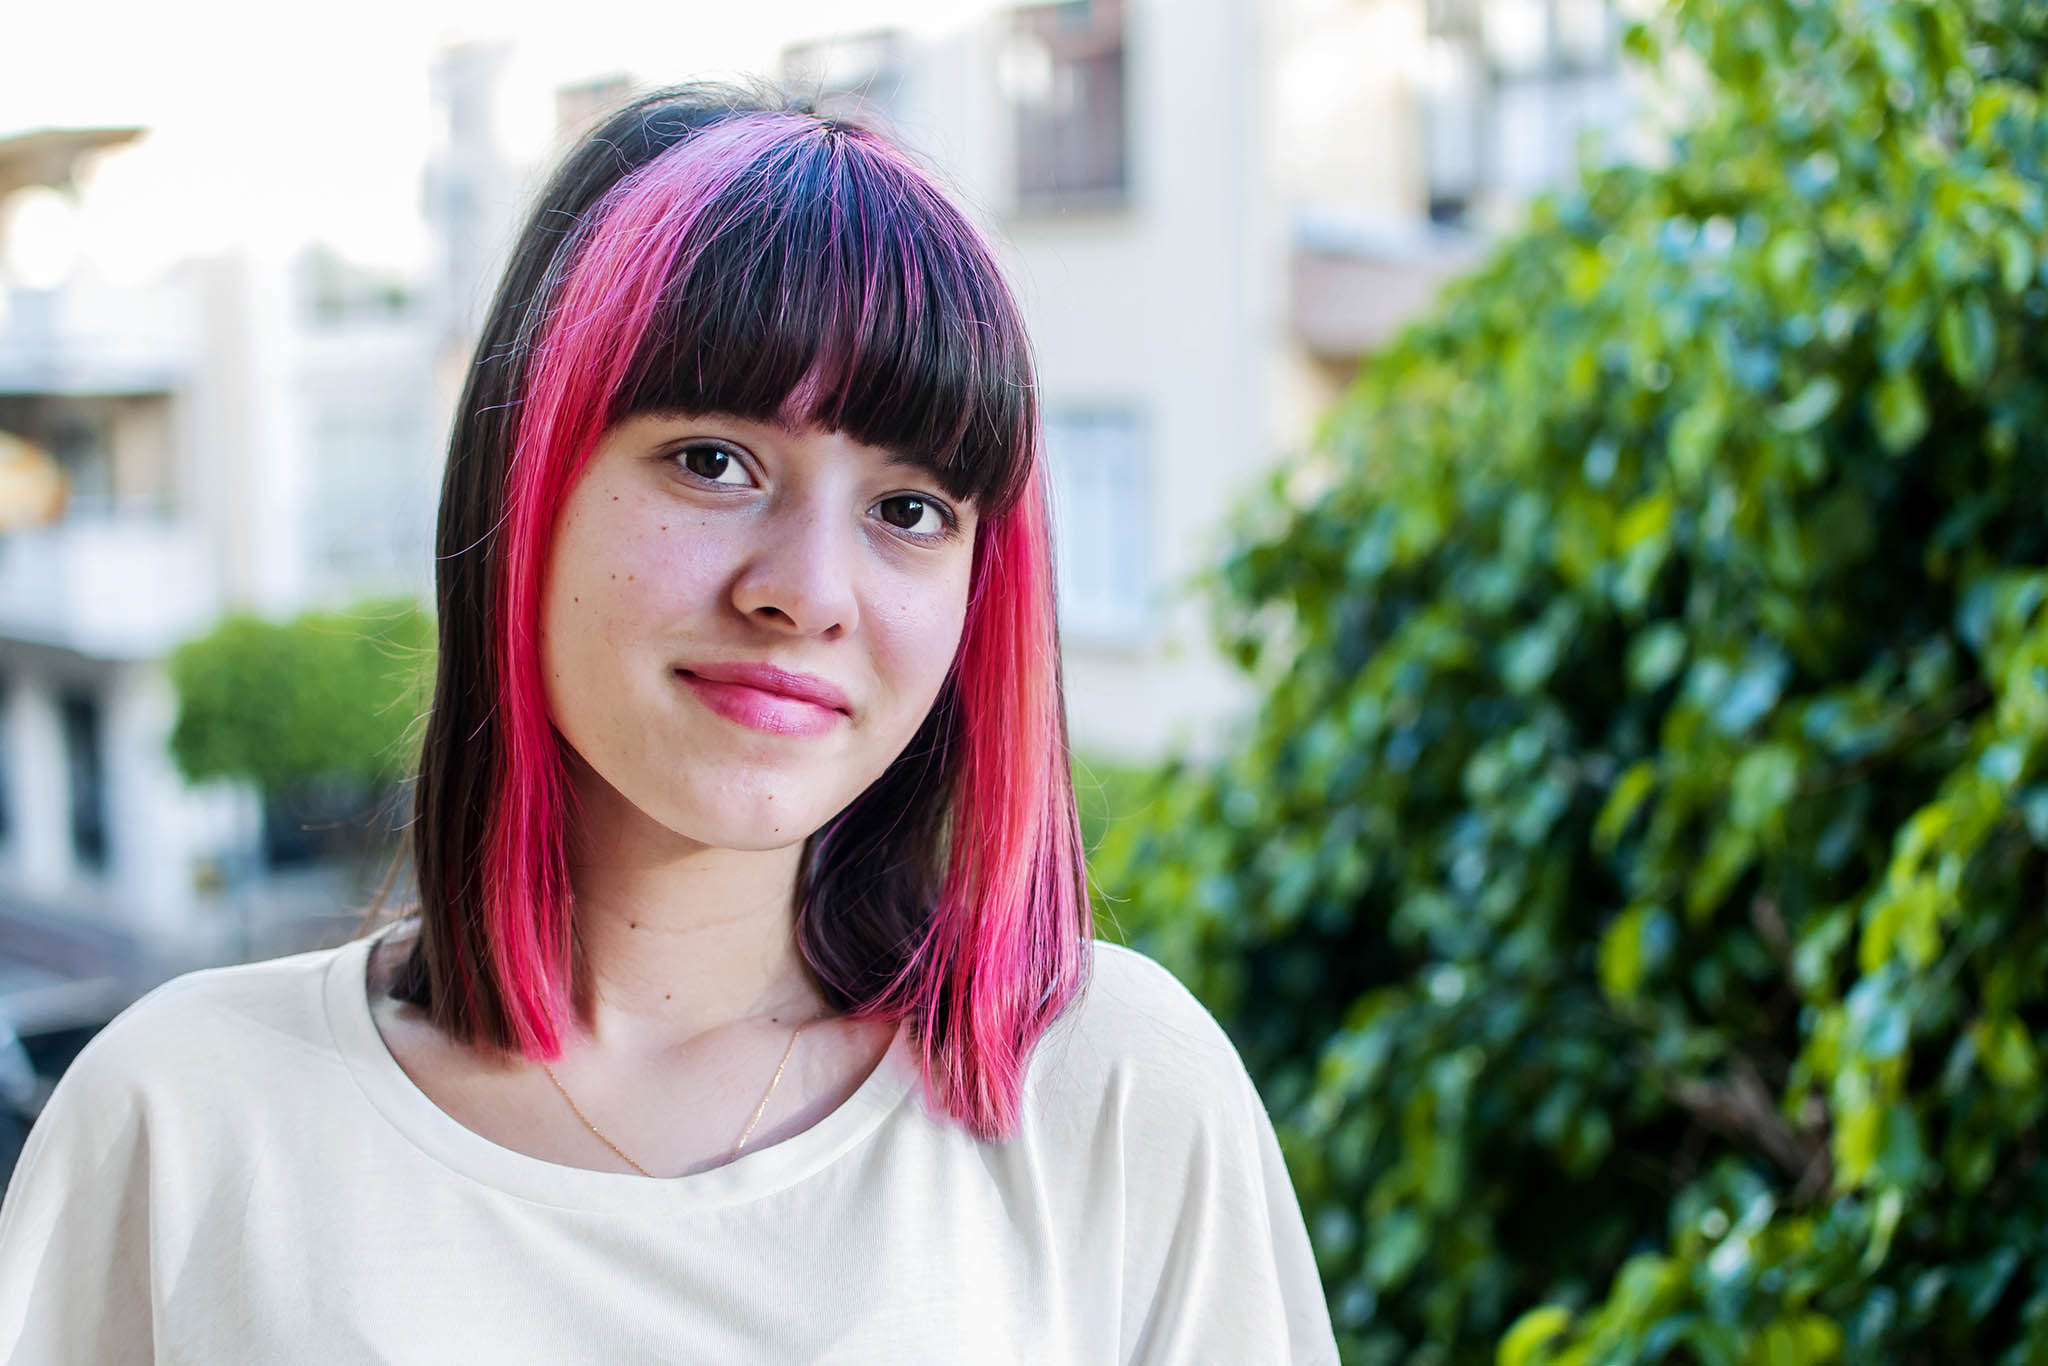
<point x="947" y="516"/>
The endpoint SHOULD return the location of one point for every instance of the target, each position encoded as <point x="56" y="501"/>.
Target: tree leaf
<point x="1523" y="1343"/>
<point x="1624" y="799"/>
<point x="1969" y="339"/>
<point x="1900" y="411"/>
<point x="2007" y="1052"/>
<point x="1810" y="407"/>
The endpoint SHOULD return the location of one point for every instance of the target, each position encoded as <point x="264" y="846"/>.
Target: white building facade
<point x="1213" y="210"/>
<point x="227" y="435"/>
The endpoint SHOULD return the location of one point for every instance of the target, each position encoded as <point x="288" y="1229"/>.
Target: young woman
<point x="749" y="1011"/>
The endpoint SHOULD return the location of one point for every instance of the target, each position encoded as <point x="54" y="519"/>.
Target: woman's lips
<point x="762" y="709"/>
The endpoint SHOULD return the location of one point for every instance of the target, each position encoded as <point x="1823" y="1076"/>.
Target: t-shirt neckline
<point x="440" y="1136"/>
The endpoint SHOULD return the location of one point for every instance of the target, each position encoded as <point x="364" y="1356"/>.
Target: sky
<point x="266" y="118"/>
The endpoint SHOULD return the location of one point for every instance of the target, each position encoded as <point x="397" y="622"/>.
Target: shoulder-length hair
<point x="706" y="251"/>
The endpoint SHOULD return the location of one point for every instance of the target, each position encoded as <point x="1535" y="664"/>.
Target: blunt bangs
<point x="826" y="284"/>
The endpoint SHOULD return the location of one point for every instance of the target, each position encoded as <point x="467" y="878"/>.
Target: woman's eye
<point x="920" y="516"/>
<point x="712" y="463"/>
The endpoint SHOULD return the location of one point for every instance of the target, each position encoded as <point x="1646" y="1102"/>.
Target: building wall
<point x="1276" y="229"/>
<point x="1152" y="316"/>
<point x="257" y="459"/>
<point x="1165" y="310"/>
<point x="271" y="455"/>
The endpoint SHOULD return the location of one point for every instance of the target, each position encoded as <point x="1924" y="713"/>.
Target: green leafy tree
<point x="1630" y="890"/>
<point x="327" y="698"/>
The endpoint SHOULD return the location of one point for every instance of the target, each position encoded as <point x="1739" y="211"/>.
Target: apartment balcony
<point x="78" y="341"/>
<point x="1352" y="286"/>
<point x="112" y="587"/>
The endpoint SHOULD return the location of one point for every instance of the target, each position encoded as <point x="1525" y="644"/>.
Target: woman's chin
<point x="758" y="839"/>
<point x="752" y="827"/>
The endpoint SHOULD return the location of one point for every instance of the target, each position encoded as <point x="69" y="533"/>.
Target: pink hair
<point x="1010" y="901"/>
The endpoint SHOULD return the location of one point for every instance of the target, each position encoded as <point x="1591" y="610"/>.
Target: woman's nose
<point x="799" y="574"/>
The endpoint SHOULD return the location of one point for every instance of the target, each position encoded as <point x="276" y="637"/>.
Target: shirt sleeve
<point x="74" y="1227"/>
<point x="1238" y="1280"/>
<point x="1307" y="1309"/>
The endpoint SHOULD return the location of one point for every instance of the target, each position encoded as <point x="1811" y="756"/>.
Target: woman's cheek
<point x="922" y="633"/>
<point x="674" y="569"/>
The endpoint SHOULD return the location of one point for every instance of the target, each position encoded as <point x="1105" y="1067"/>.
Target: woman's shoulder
<point x="273" y="995"/>
<point x="1134" y="998"/>
<point x="1148" y="1134"/>
<point x="210" y="1025"/>
<point x="1138" y="1036"/>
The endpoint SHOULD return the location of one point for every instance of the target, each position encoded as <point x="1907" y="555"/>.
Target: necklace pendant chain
<point x="745" y="1134"/>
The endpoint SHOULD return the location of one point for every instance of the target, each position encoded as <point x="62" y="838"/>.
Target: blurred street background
<point x="1552" y="565"/>
<point x="244" y="263"/>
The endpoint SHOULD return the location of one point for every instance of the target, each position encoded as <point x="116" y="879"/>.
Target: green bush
<point x="1630" y="890"/>
<point x="330" y="697"/>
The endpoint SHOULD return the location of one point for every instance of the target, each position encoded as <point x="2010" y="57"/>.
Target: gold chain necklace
<point x="744" y="1133"/>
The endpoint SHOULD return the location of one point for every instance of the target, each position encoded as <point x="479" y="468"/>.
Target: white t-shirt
<point x="236" y="1170"/>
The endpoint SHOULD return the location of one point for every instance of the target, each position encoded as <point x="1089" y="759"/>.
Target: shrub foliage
<point x="329" y="697"/>
<point x="1630" y="889"/>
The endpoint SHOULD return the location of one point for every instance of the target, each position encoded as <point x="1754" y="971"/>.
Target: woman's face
<point x="742" y="625"/>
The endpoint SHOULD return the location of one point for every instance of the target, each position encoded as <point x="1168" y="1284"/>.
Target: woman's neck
<point x="675" y="939"/>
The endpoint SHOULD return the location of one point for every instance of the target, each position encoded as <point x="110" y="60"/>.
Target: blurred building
<point x="253" y="430"/>
<point x="1215" y="210"/>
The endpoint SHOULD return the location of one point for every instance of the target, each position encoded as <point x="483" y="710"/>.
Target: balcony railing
<point x="58" y="341"/>
<point x="115" y="587"/>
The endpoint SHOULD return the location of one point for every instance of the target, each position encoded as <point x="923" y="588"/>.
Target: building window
<point x="1063" y="69"/>
<point x="859" y="77"/>
<point x="1453" y="100"/>
<point x="582" y="105"/>
<point x="1101" y="524"/>
<point x="6" y="759"/>
<point x="78" y="435"/>
<point x="322" y="822"/>
<point x="85" y="766"/>
<point x="1508" y="87"/>
<point x="79" y="441"/>
<point x="370" y="521"/>
<point x="338" y="292"/>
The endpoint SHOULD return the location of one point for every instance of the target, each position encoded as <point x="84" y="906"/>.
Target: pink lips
<point x="768" y="699"/>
